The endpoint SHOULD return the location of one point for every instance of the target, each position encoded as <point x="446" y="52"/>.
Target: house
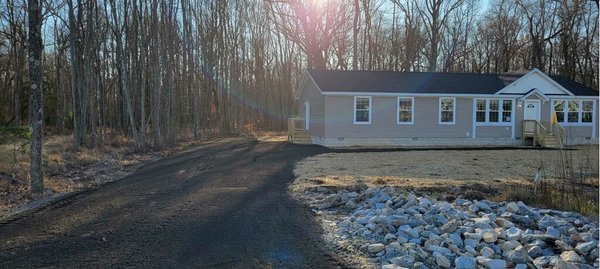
<point x="381" y="108"/>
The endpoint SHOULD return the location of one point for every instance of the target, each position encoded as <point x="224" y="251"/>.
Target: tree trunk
<point x="36" y="172"/>
<point x="355" y="29"/>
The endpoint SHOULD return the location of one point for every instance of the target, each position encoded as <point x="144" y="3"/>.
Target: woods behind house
<point x="157" y="71"/>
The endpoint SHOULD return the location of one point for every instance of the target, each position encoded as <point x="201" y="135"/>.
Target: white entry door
<point x="532" y="110"/>
<point x="307" y="116"/>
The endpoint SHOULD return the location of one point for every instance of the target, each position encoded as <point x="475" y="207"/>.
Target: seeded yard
<point x="437" y="169"/>
<point x="494" y="174"/>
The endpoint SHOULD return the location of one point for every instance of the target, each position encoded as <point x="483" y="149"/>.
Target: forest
<point x="158" y="71"/>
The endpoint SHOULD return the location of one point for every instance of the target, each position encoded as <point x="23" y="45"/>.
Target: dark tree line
<point x="160" y="70"/>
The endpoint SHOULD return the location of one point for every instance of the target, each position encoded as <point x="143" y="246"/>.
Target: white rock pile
<point x="395" y="229"/>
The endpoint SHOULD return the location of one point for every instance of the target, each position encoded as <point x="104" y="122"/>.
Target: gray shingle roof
<point x="426" y="82"/>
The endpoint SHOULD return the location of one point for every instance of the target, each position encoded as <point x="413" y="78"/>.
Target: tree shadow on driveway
<point x="222" y="206"/>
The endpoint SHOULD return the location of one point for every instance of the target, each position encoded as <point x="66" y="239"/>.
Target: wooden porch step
<point x="551" y="141"/>
<point x="301" y="137"/>
<point x="296" y="132"/>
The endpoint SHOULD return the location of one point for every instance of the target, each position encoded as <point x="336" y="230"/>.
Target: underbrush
<point x="67" y="169"/>
<point x="582" y="199"/>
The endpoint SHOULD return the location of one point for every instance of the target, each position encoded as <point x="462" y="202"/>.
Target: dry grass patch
<point x="490" y="172"/>
<point x="67" y="170"/>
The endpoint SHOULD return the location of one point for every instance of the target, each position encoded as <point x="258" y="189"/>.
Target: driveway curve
<point x="223" y="204"/>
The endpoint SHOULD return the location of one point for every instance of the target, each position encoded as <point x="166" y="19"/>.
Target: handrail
<point x="536" y="129"/>
<point x="295" y="124"/>
<point x="542" y="131"/>
<point x="541" y="125"/>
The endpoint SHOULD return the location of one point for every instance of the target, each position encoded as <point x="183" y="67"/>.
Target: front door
<point x="532" y="110"/>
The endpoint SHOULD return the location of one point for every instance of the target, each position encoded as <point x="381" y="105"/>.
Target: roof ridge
<point x="414" y="72"/>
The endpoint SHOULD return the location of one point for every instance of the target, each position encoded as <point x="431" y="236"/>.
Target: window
<point x="493" y="111"/>
<point x="559" y="108"/>
<point x="481" y="108"/>
<point x="405" y="110"/>
<point x="506" y="110"/>
<point x="573" y="111"/>
<point x="587" y="109"/>
<point x="447" y="110"/>
<point x="573" y="114"/>
<point x="362" y="110"/>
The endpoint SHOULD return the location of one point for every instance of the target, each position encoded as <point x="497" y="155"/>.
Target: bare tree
<point x="435" y="15"/>
<point x="310" y="24"/>
<point x="36" y="117"/>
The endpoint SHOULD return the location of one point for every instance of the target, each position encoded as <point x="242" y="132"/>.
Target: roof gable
<point x="535" y="92"/>
<point x="535" y="79"/>
<point x="306" y="78"/>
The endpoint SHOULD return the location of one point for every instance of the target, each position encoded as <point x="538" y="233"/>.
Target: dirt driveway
<point x="220" y="205"/>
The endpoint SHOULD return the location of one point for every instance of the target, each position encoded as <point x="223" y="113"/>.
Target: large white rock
<point x="404" y="261"/>
<point x="518" y="256"/>
<point x="442" y="261"/>
<point x="486" y="252"/>
<point x="389" y="236"/>
<point x="514" y="233"/>
<point x="465" y="262"/>
<point x="570" y="256"/>
<point x="535" y="251"/>
<point x="393" y="266"/>
<point x="509" y="245"/>
<point x="512" y="207"/>
<point x="502" y="222"/>
<point x="548" y="221"/>
<point x="407" y="230"/>
<point x="490" y="236"/>
<point x="552" y="232"/>
<point x="450" y="227"/>
<point x="473" y="236"/>
<point x="374" y="248"/>
<point x="491" y="263"/>
<point x="483" y="206"/>
<point x="586" y="247"/>
<point x="442" y="250"/>
<point x="565" y="265"/>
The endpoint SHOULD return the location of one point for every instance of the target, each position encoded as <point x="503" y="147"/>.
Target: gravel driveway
<point x="220" y="205"/>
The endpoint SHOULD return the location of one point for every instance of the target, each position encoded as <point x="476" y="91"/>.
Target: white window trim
<point x="500" y="112"/>
<point x="370" y="111"/>
<point x="453" y="111"/>
<point x="580" y="112"/>
<point x="412" y="112"/>
<point x="307" y="116"/>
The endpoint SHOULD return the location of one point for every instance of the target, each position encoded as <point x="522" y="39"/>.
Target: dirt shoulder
<point x="67" y="171"/>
